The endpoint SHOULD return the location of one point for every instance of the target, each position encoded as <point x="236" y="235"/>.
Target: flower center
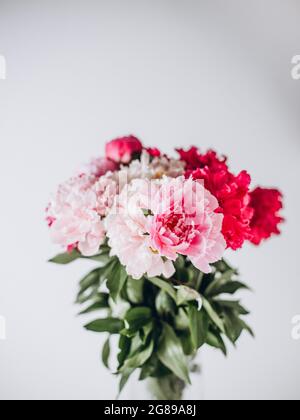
<point x="154" y="251"/>
<point x="175" y="226"/>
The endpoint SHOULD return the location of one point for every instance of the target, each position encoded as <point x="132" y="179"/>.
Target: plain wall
<point x="212" y="73"/>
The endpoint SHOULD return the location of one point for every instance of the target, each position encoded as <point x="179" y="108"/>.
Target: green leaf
<point x="164" y="304"/>
<point x="124" y="347"/>
<point x="186" y="294"/>
<point x="101" y="258"/>
<point x="232" y="287"/>
<point x="101" y="302"/>
<point x="166" y="388"/>
<point x="124" y="379"/>
<point x="109" y="268"/>
<point x="182" y="321"/>
<point x="192" y="273"/>
<point x="220" y="279"/>
<point x="165" y="286"/>
<point x="89" y="285"/>
<point x="66" y="258"/>
<point x="147" y="212"/>
<point x="247" y="328"/>
<point x="149" y="368"/>
<point x="139" y="358"/>
<point x="186" y="342"/>
<point x="106" y="353"/>
<point x="136" y="318"/>
<point x="135" y="290"/>
<point x="223" y="266"/>
<point x="153" y="368"/>
<point x="233" y="325"/>
<point x="180" y="263"/>
<point x="146" y="331"/>
<point x="111" y="325"/>
<point x="214" y="339"/>
<point x="231" y="304"/>
<point x="199" y="280"/>
<point x="116" y="280"/>
<point x="213" y="315"/>
<point x="225" y="284"/>
<point x="198" y="326"/>
<point x="171" y="354"/>
<point x="90" y="279"/>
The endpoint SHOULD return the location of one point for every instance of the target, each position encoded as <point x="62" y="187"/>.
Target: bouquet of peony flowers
<point x="158" y="229"/>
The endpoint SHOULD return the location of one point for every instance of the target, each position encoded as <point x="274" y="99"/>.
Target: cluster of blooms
<point x="151" y="208"/>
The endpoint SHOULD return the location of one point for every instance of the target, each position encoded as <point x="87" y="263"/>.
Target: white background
<point x="213" y="73"/>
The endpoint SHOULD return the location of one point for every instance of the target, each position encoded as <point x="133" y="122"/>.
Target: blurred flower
<point x="99" y="167"/>
<point x="73" y="219"/>
<point x="195" y="160"/>
<point x="163" y="166"/>
<point x="153" y="152"/>
<point x="267" y="204"/>
<point x="123" y="149"/>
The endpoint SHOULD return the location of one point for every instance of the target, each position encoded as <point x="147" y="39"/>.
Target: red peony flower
<point x="231" y="191"/>
<point x="266" y="204"/>
<point x="122" y="150"/>
<point x="195" y="160"/>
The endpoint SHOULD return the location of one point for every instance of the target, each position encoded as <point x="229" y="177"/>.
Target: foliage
<point x="163" y="323"/>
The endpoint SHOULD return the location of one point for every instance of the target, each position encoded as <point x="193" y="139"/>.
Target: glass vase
<point x="167" y="388"/>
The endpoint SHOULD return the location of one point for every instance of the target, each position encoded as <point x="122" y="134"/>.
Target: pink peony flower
<point x="99" y="167"/>
<point x="122" y="150"/>
<point x="106" y="189"/>
<point x="185" y="223"/>
<point x="128" y="232"/>
<point x="152" y="222"/>
<point x="73" y="219"/>
<point x="163" y="166"/>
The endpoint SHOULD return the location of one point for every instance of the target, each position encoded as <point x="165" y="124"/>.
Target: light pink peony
<point x="185" y="223"/>
<point x="106" y="189"/>
<point x="101" y="166"/>
<point x="73" y="219"/>
<point x="128" y="232"/>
